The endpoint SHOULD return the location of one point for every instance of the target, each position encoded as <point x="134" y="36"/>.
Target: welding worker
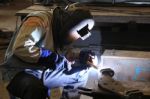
<point x="39" y="40"/>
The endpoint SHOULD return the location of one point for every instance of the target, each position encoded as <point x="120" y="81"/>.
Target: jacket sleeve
<point x="25" y="46"/>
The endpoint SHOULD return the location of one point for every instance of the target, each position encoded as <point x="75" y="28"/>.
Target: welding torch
<point x="84" y="56"/>
<point x="91" y="62"/>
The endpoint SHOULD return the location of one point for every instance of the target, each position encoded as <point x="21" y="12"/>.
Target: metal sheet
<point x="128" y="65"/>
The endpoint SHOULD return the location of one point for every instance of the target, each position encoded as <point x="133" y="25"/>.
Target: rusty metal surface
<point x="122" y="87"/>
<point x="110" y="84"/>
<point x="107" y="87"/>
<point x="142" y="86"/>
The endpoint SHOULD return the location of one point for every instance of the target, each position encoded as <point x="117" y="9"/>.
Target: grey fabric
<point x="26" y="86"/>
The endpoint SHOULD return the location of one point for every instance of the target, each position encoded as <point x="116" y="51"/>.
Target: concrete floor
<point x="7" y="13"/>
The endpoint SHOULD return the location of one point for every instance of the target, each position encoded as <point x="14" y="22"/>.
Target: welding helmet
<point x="79" y="22"/>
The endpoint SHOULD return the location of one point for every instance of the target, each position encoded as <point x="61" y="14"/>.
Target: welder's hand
<point x="86" y="56"/>
<point x="72" y="54"/>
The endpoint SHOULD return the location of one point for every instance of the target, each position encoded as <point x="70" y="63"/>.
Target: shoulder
<point x="41" y="17"/>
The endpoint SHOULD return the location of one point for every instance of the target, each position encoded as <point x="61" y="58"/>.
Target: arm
<point x="25" y="46"/>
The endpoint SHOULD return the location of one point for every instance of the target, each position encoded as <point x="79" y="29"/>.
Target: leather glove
<point x="72" y="54"/>
<point x="86" y="56"/>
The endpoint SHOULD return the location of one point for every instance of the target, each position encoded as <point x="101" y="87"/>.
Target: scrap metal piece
<point x="109" y="88"/>
<point x="98" y="94"/>
<point x="108" y="72"/>
<point x="107" y="83"/>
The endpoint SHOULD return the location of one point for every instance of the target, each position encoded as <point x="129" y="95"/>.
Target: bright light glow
<point x="82" y="24"/>
<point x="36" y="34"/>
<point x="30" y="43"/>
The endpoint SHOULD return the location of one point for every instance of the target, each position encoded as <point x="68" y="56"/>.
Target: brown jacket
<point x="34" y="33"/>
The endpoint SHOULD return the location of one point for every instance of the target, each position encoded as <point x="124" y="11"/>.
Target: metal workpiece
<point x="106" y="82"/>
<point x="108" y="88"/>
<point x="127" y="65"/>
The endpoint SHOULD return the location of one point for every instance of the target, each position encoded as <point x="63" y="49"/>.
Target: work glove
<point x="72" y="54"/>
<point x="86" y="56"/>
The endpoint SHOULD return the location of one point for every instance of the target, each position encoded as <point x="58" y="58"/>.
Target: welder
<point x="41" y="40"/>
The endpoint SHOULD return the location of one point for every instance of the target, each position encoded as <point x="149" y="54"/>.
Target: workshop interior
<point x="120" y="41"/>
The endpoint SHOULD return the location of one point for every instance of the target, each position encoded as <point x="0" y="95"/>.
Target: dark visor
<point x="85" y="30"/>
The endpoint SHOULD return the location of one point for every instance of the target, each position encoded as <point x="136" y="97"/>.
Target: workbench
<point x="103" y="14"/>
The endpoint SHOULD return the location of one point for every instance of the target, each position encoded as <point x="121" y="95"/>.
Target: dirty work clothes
<point x="34" y="34"/>
<point x="64" y="75"/>
<point x="26" y="86"/>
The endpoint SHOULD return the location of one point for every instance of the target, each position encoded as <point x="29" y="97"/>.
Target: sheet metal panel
<point x="128" y="65"/>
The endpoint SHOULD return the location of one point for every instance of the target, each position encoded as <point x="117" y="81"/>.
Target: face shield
<point x="68" y="26"/>
<point x="83" y="28"/>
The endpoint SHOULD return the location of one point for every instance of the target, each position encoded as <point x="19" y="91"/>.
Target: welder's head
<point x="78" y="25"/>
<point x="70" y="25"/>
